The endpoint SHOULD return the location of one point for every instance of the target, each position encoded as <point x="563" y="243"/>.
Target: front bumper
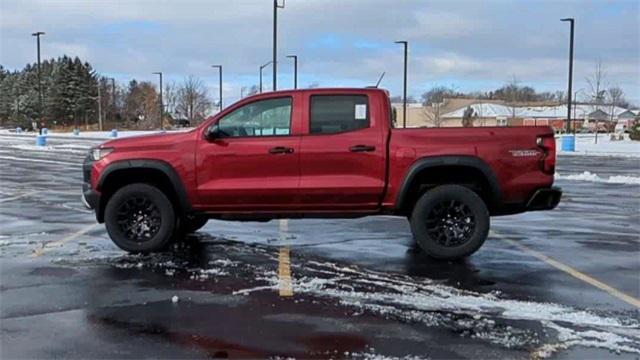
<point x="544" y="199"/>
<point x="90" y="197"/>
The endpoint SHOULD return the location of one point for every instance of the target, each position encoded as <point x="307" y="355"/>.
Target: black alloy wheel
<point x="139" y="219"/>
<point x="451" y="223"/>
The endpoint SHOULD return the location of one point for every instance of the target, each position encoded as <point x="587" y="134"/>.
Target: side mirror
<point x="213" y="132"/>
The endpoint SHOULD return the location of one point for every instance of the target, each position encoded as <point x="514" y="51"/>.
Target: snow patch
<point x="482" y="316"/>
<point x="586" y="145"/>
<point x="589" y="176"/>
<point x="51" y="148"/>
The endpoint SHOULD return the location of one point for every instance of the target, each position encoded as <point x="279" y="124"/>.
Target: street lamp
<point x="295" y="70"/>
<point x="404" y="91"/>
<point x="113" y="97"/>
<point x="262" y="67"/>
<point x="37" y="34"/>
<point x="219" y="67"/>
<point x="161" y="106"/>
<point x="571" y="22"/>
<point x="275" y="40"/>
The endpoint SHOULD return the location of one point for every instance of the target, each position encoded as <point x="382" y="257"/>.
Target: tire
<point x="140" y="218"/>
<point x="450" y="222"/>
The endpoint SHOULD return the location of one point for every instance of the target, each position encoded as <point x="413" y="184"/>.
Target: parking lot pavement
<point x="550" y="284"/>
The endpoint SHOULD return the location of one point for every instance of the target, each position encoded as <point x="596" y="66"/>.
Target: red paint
<point x="239" y="175"/>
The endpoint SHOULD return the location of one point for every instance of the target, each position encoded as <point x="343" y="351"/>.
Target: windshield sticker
<point x="361" y="111"/>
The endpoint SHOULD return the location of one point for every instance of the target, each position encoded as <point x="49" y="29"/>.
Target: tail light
<point x="548" y="160"/>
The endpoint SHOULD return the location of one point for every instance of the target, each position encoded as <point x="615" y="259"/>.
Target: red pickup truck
<point x="320" y="153"/>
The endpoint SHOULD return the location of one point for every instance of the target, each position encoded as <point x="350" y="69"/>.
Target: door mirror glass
<point x="214" y="132"/>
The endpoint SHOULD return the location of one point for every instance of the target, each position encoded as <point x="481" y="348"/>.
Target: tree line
<point x="598" y="92"/>
<point x="75" y="95"/>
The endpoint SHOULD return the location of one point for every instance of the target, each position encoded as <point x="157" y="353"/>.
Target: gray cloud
<point x="472" y="44"/>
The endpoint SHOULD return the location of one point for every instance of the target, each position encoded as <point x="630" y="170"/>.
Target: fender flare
<point x="159" y="165"/>
<point x="450" y="160"/>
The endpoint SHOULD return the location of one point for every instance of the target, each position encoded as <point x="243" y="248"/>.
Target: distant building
<point x="449" y="113"/>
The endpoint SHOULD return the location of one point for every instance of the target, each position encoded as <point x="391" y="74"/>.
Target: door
<point x="253" y="163"/>
<point x="342" y="156"/>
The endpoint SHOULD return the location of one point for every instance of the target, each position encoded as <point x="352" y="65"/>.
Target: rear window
<point x="331" y="114"/>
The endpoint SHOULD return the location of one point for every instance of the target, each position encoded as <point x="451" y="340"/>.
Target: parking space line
<point x="18" y="196"/>
<point x="284" y="261"/>
<point x="573" y="272"/>
<point x="284" y="272"/>
<point x="48" y="246"/>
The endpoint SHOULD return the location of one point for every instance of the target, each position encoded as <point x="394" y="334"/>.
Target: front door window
<point x="270" y="117"/>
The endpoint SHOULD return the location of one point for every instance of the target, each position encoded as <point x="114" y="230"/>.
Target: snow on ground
<point x="490" y="317"/>
<point x="586" y="145"/>
<point x="591" y="177"/>
<point x="53" y="148"/>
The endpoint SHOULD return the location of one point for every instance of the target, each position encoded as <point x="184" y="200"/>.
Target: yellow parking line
<point x="47" y="246"/>
<point x="284" y="261"/>
<point x="284" y="272"/>
<point x="573" y="272"/>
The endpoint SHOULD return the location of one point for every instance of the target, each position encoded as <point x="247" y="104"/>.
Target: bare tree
<point x="141" y="104"/>
<point x="616" y="96"/>
<point x="510" y="94"/>
<point x="193" y="100"/>
<point x="171" y="98"/>
<point x="597" y="85"/>
<point x="439" y="93"/>
<point x="433" y="114"/>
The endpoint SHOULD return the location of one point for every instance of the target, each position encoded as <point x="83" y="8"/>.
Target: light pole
<point x="295" y="70"/>
<point x="404" y="89"/>
<point x="113" y="98"/>
<point x="572" y="23"/>
<point x="37" y="34"/>
<point x="275" y="40"/>
<point x="262" y="67"/>
<point x="161" y="105"/>
<point x="242" y="92"/>
<point x="219" y="67"/>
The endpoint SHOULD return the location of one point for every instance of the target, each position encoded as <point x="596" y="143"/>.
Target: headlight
<point x="99" y="153"/>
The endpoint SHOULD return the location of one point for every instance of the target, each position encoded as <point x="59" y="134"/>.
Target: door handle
<point x="362" y="148"/>
<point x="281" y="150"/>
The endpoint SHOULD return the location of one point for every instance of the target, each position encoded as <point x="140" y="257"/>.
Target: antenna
<point x="379" y="80"/>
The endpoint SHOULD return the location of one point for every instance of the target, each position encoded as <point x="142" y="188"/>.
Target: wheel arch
<point x="438" y="169"/>
<point x="156" y="172"/>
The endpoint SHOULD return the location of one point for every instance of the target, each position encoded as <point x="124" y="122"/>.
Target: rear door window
<point x="332" y="114"/>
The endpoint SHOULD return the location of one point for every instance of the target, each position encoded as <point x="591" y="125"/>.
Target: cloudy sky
<point x="470" y="45"/>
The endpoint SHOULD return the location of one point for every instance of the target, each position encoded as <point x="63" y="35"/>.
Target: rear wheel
<point x="140" y="218"/>
<point x="450" y="222"/>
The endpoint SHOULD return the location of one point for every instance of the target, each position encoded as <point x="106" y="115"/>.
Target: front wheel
<point x="140" y="218"/>
<point x="450" y="222"/>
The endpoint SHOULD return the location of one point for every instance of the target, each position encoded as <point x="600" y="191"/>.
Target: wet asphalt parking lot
<point x="561" y="284"/>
